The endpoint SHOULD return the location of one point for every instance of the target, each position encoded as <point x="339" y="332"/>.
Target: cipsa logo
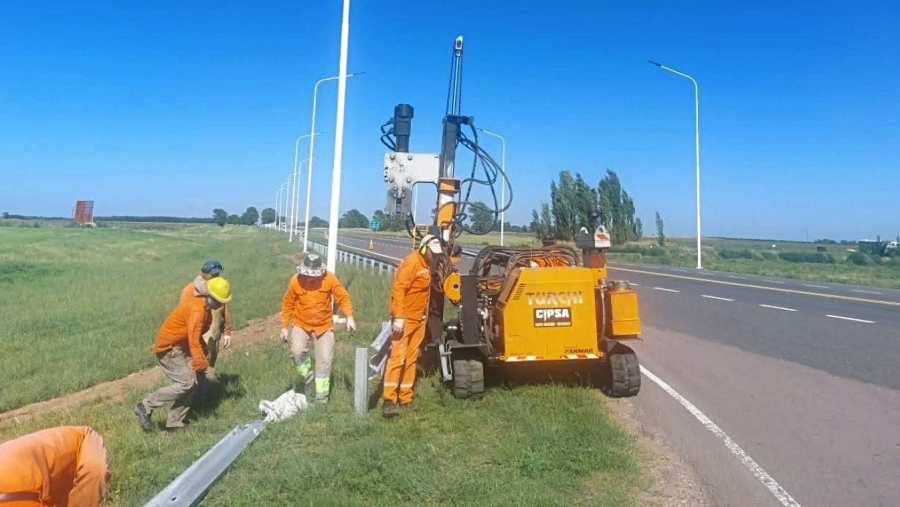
<point x="552" y="317"/>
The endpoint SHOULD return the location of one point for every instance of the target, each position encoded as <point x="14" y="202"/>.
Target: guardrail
<point x="366" y="262"/>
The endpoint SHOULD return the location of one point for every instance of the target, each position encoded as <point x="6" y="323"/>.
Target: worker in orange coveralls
<point x="179" y="350"/>
<point x="57" y="467"/>
<point x="306" y="313"/>
<point x="219" y="332"/>
<point x="409" y="311"/>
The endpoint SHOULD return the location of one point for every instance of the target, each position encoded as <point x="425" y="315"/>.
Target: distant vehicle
<point x="879" y="247"/>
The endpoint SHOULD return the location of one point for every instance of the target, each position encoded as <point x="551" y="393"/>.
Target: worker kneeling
<point x="409" y="311"/>
<point x="306" y="312"/>
<point x="179" y="350"/>
<point x="54" y="467"/>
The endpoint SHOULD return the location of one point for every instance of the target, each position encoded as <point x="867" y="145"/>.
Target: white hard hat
<point x="431" y="242"/>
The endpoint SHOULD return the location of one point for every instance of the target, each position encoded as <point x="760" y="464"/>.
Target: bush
<point x="735" y="253"/>
<point x="769" y="256"/>
<point x="813" y="257"/>
<point x="860" y="259"/>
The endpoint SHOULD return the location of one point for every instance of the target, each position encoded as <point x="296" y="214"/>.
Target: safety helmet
<point x="430" y="242"/>
<point x="212" y="267"/>
<point x="311" y="266"/>
<point x="219" y="289"/>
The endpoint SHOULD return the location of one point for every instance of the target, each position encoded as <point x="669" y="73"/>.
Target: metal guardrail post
<point x="361" y="381"/>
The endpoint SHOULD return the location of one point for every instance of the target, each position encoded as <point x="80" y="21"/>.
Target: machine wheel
<point x="624" y="377"/>
<point x="468" y="379"/>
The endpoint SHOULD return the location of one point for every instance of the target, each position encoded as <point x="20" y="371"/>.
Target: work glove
<point x="351" y="324"/>
<point x="211" y="375"/>
<point x="284" y="335"/>
<point x="226" y="341"/>
<point x="397" y="325"/>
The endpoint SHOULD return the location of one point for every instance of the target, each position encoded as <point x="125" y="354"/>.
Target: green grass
<point x="530" y="445"/>
<point x="79" y="306"/>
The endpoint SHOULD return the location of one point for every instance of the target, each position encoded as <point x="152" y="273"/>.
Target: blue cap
<point x="212" y="267"/>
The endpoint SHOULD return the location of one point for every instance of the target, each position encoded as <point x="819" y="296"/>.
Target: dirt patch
<point x="114" y="390"/>
<point x="672" y="481"/>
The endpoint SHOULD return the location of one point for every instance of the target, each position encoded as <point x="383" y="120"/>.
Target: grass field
<point x="529" y="445"/>
<point x="79" y="306"/>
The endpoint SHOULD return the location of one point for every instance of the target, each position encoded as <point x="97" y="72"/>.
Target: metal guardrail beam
<point x="189" y="488"/>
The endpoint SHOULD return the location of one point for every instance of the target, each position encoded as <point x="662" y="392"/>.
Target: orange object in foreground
<point x="57" y="467"/>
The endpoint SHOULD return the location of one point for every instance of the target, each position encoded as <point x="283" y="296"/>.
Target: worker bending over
<point x="63" y="466"/>
<point x="219" y="331"/>
<point x="409" y="311"/>
<point x="179" y="350"/>
<point x="306" y="312"/>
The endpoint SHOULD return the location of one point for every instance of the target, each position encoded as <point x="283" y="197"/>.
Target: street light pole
<point x="295" y="187"/>
<point x="338" y="141"/>
<point x="697" y="142"/>
<point x="502" y="183"/>
<point x="311" y="149"/>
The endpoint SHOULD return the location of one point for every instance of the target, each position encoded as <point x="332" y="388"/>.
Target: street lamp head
<point x="654" y="63"/>
<point x="356" y="73"/>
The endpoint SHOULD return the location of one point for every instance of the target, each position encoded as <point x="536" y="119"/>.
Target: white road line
<point x="814" y="286"/>
<point x="777" y="491"/>
<point x="718" y="298"/>
<point x="738" y="277"/>
<point x="865" y="291"/>
<point x="778" y="308"/>
<point x="667" y="290"/>
<point x="851" y="319"/>
<point x="774" y="281"/>
<point x="635" y="284"/>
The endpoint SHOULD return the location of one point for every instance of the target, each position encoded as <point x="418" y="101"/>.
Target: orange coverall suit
<point x="307" y="306"/>
<point x="179" y="350"/>
<point x="211" y="353"/>
<point x="409" y="301"/>
<point x="57" y="467"/>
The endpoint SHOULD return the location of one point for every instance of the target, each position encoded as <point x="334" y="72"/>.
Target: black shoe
<point x="389" y="409"/>
<point x="413" y="405"/>
<point x="143" y="417"/>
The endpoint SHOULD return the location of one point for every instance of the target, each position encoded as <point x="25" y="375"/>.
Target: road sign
<point x="374" y="225"/>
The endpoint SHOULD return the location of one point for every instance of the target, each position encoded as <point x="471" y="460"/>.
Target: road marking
<point x="635" y="284"/>
<point x="865" y="291"/>
<point x="763" y="287"/>
<point x="667" y="290"/>
<point x="851" y="319"/>
<point x="779" y="308"/>
<point x="774" y="281"/>
<point x="814" y="286"/>
<point x="717" y="298"/>
<point x="777" y="491"/>
<point x="738" y="277"/>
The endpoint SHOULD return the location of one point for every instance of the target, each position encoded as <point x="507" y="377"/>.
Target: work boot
<point x="389" y="409"/>
<point x="412" y="406"/>
<point x="143" y="416"/>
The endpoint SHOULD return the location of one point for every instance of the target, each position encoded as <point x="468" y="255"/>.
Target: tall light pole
<point x="697" y="140"/>
<point x="278" y="204"/>
<point x="287" y="201"/>
<point x="311" y="148"/>
<point x="295" y="187"/>
<point x="502" y="183"/>
<point x="295" y="206"/>
<point x="338" y="141"/>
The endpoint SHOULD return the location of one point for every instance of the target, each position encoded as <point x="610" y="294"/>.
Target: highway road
<point x="793" y="387"/>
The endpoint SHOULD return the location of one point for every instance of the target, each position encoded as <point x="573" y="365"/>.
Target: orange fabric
<point x="66" y="466"/>
<point x="184" y="328"/>
<point x="308" y="304"/>
<point x="188" y="292"/>
<point x="412" y="283"/>
<point x="400" y="370"/>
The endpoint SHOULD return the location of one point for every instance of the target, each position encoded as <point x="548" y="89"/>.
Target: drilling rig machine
<point x="545" y="305"/>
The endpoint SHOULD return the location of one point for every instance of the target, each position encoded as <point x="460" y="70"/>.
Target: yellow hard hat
<point x="219" y="289"/>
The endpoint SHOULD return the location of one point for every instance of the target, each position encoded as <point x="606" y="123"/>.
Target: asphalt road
<point x="804" y="377"/>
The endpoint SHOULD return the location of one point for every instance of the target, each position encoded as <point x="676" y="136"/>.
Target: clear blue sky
<point x="176" y="108"/>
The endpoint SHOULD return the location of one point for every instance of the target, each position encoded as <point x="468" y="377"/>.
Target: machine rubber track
<point x="468" y="379"/>
<point x="624" y="373"/>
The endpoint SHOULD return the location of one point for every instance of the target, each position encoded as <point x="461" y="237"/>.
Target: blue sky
<point x="176" y="108"/>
